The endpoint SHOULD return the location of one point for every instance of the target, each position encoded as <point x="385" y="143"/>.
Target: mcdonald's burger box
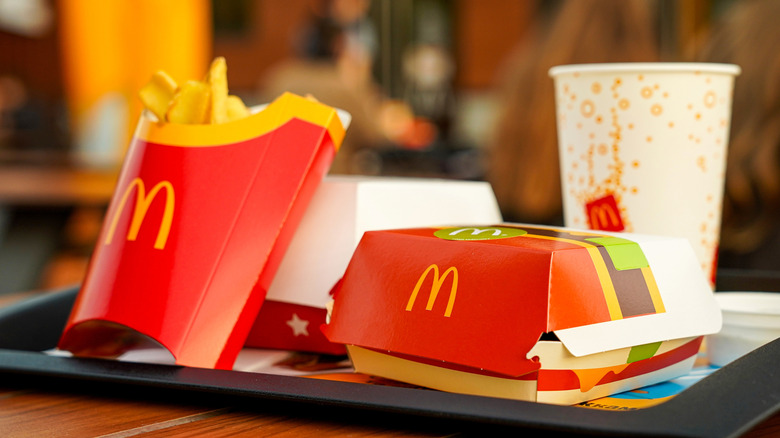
<point x="341" y="210"/>
<point x="523" y="312"/>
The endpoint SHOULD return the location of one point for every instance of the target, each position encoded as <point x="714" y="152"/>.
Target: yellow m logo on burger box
<point x="436" y="285"/>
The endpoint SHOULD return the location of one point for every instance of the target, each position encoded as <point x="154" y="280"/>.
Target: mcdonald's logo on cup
<point x="604" y="214"/>
<point x="438" y="281"/>
<point x="142" y="202"/>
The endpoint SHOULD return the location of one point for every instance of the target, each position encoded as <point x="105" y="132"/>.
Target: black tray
<point x="727" y="403"/>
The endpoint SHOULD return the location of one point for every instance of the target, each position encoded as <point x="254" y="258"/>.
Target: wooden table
<point x="68" y="410"/>
<point x="28" y="412"/>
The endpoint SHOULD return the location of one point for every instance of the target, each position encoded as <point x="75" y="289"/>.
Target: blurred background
<point x="446" y="89"/>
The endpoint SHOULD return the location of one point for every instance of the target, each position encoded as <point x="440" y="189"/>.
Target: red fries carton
<point x="196" y="229"/>
<point x="342" y="209"/>
<point x="523" y="312"/>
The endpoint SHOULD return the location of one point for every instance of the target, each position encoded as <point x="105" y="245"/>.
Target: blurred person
<point x="334" y="63"/>
<point x="13" y="97"/>
<point x="750" y="232"/>
<point x="428" y="70"/>
<point x="522" y="163"/>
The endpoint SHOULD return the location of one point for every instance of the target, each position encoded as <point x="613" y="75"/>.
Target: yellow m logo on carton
<point x="435" y="287"/>
<point x="142" y="203"/>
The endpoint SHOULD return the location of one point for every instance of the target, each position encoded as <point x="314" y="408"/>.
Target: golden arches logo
<point x="474" y="233"/>
<point x="604" y="217"/>
<point x="142" y="203"/>
<point x="435" y="287"/>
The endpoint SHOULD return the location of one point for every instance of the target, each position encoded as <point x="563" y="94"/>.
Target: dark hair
<point x="747" y="37"/>
<point x="523" y="152"/>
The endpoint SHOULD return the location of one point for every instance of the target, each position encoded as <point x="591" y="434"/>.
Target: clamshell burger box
<point x="523" y="312"/>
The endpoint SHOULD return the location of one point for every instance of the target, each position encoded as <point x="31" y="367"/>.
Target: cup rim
<point x="749" y="303"/>
<point x="648" y="67"/>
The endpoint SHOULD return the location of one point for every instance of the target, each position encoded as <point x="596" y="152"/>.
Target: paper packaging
<point x="342" y="209"/>
<point x="196" y="229"/>
<point x="523" y="312"/>
<point x="643" y="148"/>
<point x="750" y="320"/>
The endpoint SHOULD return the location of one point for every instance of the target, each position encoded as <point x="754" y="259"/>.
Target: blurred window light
<point x="30" y="18"/>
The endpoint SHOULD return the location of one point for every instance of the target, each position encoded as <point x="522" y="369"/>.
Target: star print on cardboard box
<point x="523" y="312"/>
<point x="299" y="326"/>
<point x="196" y="229"/>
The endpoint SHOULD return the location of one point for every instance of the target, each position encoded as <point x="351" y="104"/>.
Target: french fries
<point x="236" y="108"/>
<point x="217" y="81"/>
<point x="157" y="93"/>
<point x="190" y="104"/>
<point x="193" y="102"/>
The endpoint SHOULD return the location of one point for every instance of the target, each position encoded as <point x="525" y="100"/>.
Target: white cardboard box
<point x="344" y="207"/>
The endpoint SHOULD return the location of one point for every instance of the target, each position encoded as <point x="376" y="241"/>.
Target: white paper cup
<point x="750" y="320"/>
<point x="643" y="148"/>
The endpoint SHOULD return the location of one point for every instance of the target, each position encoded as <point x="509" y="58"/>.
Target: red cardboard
<point x="288" y="326"/>
<point x="196" y="228"/>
